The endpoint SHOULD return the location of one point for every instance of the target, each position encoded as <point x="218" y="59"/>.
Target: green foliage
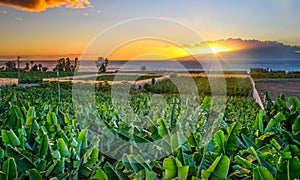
<point x="268" y="73"/>
<point x="43" y="139"/>
<point x="234" y="86"/>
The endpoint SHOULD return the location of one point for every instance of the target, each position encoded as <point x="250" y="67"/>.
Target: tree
<point x="34" y="68"/>
<point x="101" y="64"/>
<point x="68" y="65"/>
<point x="65" y="65"/>
<point x="45" y="69"/>
<point x="31" y="62"/>
<point x="40" y="67"/>
<point x="10" y="66"/>
<point x="26" y="67"/>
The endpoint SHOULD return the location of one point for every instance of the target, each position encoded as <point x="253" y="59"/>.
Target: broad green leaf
<point x="170" y="167"/>
<point x="294" y="168"/>
<point x="177" y="140"/>
<point x="52" y="119"/>
<point x="222" y="169"/>
<point x="51" y="168"/>
<point x="113" y="173"/>
<point x="259" y="121"/>
<point x="219" y="139"/>
<point x="23" y="162"/>
<point x="100" y="175"/>
<point x="31" y="114"/>
<point x="63" y="148"/>
<point x="2" y="153"/>
<point x="10" y="138"/>
<point x="275" y="144"/>
<point x="267" y="136"/>
<point x="232" y="142"/>
<point x="132" y="164"/>
<point x="218" y="170"/>
<point x="274" y="122"/>
<point x="16" y="118"/>
<point x="261" y="161"/>
<point x="248" y="142"/>
<point x="43" y="148"/>
<point x="295" y="103"/>
<point x="82" y="141"/>
<point x="261" y="173"/>
<point x="162" y="128"/>
<point x="151" y="175"/>
<point x="34" y="175"/>
<point x="183" y="172"/>
<point x="244" y="162"/>
<point x="296" y="126"/>
<point x="10" y="169"/>
<point x="207" y="173"/>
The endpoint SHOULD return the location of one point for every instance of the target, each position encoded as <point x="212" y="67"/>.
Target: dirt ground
<point x="290" y="87"/>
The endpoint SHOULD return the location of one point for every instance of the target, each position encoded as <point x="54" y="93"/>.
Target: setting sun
<point x="209" y="49"/>
<point x="218" y="49"/>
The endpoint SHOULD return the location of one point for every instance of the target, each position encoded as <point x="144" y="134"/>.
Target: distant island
<point x="241" y="49"/>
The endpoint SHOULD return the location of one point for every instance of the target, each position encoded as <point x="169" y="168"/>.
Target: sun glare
<point x="218" y="49"/>
<point x="209" y="49"/>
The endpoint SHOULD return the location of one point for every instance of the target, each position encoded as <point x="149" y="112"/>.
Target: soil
<point x="275" y="87"/>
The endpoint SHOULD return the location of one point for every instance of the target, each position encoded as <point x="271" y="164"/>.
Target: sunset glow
<point x="62" y="28"/>
<point x="209" y="50"/>
<point x="153" y="49"/>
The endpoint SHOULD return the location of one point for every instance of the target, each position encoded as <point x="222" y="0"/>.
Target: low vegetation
<point x="234" y="86"/>
<point x="268" y="73"/>
<point x="44" y="139"/>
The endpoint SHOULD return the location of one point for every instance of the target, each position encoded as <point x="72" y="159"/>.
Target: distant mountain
<point x="250" y="50"/>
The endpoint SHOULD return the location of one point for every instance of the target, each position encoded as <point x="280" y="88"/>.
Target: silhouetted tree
<point x="26" y="67"/>
<point x="34" y="68"/>
<point x="44" y="69"/>
<point x="101" y="64"/>
<point x="68" y="65"/>
<point x="31" y="62"/>
<point x="40" y="67"/>
<point x="10" y="66"/>
<point x="65" y="65"/>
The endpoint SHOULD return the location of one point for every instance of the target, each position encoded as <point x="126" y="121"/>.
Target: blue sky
<point x="63" y="30"/>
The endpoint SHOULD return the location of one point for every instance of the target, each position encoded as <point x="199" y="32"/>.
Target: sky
<point x="65" y="29"/>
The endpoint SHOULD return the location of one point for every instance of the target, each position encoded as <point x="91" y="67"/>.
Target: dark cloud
<point x="41" y="5"/>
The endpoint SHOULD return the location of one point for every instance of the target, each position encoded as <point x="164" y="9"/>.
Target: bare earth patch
<point x="289" y="87"/>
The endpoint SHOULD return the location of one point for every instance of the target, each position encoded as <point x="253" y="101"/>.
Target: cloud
<point x="41" y="5"/>
<point x="19" y="19"/>
<point x="3" y="12"/>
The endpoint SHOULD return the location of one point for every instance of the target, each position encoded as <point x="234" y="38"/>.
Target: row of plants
<point x="234" y="86"/>
<point x="268" y="73"/>
<point x="78" y="139"/>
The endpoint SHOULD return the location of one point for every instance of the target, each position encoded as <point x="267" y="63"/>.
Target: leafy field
<point x="268" y="73"/>
<point x="43" y="139"/>
<point x="234" y="86"/>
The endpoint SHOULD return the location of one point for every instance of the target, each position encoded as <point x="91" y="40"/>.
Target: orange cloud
<point x="3" y="12"/>
<point x="41" y="5"/>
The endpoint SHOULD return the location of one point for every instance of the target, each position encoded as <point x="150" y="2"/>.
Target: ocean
<point x="173" y="65"/>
